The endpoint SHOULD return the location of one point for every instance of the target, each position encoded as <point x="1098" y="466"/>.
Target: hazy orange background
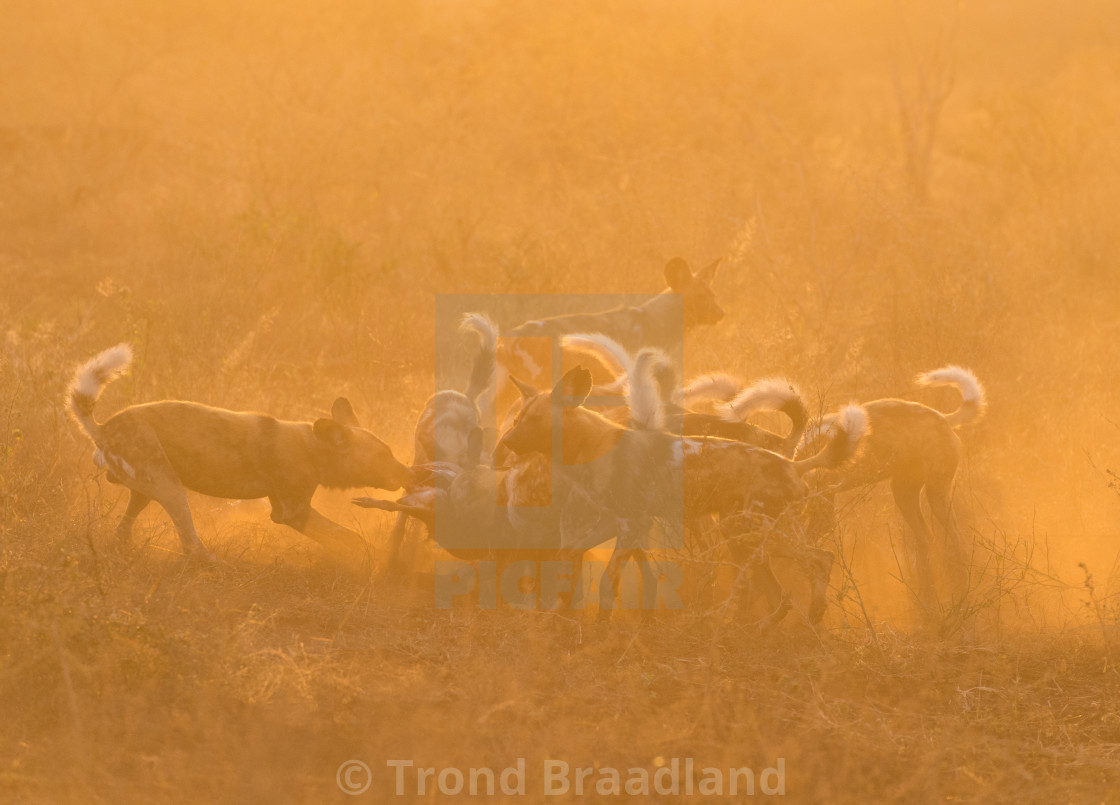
<point x="263" y="197"/>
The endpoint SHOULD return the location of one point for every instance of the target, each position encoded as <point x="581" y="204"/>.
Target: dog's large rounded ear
<point x="526" y="390"/>
<point x="708" y="272"/>
<point x="678" y="274"/>
<point x="332" y="432"/>
<point x="576" y="383"/>
<point x="342" y="411"/>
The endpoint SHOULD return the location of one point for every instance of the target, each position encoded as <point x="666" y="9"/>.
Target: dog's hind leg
<point x="907" y="495"/>
<point x="939" y="493"/>
<point x="136" y="458"/>
<point x="172" y="495"/>
<point x="136" y="503"/>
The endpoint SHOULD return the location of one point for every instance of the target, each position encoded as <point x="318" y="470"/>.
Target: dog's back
<point x="221" y="453"/>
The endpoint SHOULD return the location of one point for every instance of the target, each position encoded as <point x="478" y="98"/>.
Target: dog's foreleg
<point x="609" y="582"/>
<point x="757" y="576"/>
<point x="819" y="569"/>
<point x="763" y="578"/>
<point x="334" y="537"/>
<point x="298" y="515"/>
<point x="820" y="517"/>
<point x="816" y="564"/>
<point x="573" y="598"/>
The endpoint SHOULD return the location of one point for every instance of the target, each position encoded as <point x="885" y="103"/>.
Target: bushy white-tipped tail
<point x="716" y="386"/>
<point x="770" y="394"/>
<point x="845" y="430"/>
<point x="604" y="348"/>
<point x="973" y="398"/>
<point x="97" y="372"/>
<point x="481" y="325"/>
<point x="486" y="362"/>
<point x="646" y="404"/>
<point x="852" y="420"/>
<point x="90" y="378"/>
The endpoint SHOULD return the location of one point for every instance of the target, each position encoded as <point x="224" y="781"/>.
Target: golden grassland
<point x="263" y="198"/>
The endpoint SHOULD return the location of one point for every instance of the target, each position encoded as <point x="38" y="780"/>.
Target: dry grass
<point x="264" y="197"/>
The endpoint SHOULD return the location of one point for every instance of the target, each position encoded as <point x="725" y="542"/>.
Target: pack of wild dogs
<point x="627" y="453"/>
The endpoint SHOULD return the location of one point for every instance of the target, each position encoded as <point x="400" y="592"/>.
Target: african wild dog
<point x="444" y="430"/>
<point x="915" y="447"/>
<point x="159" y="450"/>
<point x="661" y="321"/>
<point x="627" y="469"/>
<point x="688" y="302"/>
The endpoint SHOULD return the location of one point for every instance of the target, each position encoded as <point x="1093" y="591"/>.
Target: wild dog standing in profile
<point x="655" y="323"/>
<point x="730" y="479"/>
<point x="688" y="302"/>
<point x="444" y="430"/>
<point x="915" y="447"/>
<point x="159" y="450"/>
